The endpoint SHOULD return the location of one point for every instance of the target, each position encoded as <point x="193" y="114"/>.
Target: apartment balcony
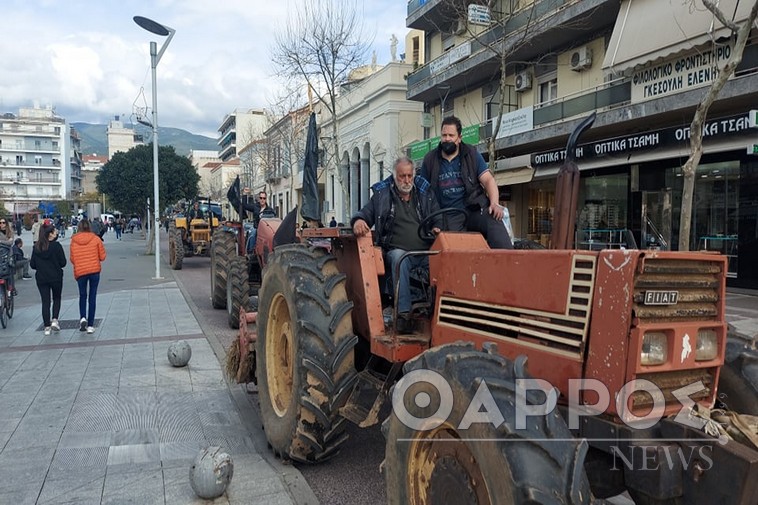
<point x="228" y="152"/>
<point x="30" y="180"/>
<point x="551" y="25"/>
<point x="429" y="15"/>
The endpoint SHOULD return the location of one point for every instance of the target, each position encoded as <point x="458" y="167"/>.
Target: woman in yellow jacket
<point x="87" y="252"/>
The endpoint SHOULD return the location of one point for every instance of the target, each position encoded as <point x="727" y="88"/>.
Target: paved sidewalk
<point x="104" y="418"/>
<point x="742" y="312"/>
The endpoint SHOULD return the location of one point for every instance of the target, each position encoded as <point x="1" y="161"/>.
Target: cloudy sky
<point x="90" y="61"/>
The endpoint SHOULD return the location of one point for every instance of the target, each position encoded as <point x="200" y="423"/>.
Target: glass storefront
<point x="627" y="207"/>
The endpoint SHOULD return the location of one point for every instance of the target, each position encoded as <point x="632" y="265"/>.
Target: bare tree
<point x="741" y="32"/>
<point x="502" y="48"/>
<point x="321" y="43"/>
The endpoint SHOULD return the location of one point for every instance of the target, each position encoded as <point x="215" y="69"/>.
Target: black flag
<point x="310" y="209"/>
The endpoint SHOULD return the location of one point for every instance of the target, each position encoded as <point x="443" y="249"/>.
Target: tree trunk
<point x="150" y="248"/>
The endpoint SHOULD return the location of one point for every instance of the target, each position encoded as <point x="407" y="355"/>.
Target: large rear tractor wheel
<point x="304" y="353"/>
<point x="175" y="247"/>
<point x="223" y="247"/>
<point x="237" y="290"/>
<point x="469" y="454"/>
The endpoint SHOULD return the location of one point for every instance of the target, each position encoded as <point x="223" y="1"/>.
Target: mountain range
<point x="95" y="139"/>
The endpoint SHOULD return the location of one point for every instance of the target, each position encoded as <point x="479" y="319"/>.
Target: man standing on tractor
<point x="460" y="178"/>
<point x="399" y="204"/>
<point x="261" y="210"/>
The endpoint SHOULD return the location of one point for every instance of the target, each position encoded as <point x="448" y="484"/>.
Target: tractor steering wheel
<point x="425" y="226"/>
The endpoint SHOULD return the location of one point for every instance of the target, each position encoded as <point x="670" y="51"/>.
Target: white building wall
<point x="375" y="125"/>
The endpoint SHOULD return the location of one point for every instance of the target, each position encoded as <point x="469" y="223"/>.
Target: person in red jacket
<point x="87" y="252"/>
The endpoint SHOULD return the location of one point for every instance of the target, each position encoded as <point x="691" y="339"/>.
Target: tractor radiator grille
<point x="668" y="382"/>
<point x="562" y="333"/>
<point x="696" y="282"/>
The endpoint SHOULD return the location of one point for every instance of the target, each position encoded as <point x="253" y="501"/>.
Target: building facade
<point x="239" y="128"/>
<point x="91" y="166"/>
<point x="281" y="158"/>
<point x="121" y="138"/>
<point x="375" y="125"/>
<point x="643" y="79"/>
<point x="199" y="159"/>
<point x="34" y="158"/>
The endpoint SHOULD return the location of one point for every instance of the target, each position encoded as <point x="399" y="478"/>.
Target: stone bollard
<point x="211" y="473"/>
<point x="179" y="353"/>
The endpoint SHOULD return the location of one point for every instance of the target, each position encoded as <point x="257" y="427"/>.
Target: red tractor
<point x="533" y="376"/>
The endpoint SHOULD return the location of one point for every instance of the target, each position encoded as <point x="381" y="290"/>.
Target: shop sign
<point x="680" y="74"/>
<point x="479" y="15"/>
<point x="518" y="121"/>
<point x="469" y="135"/>
<point x="455" y="54"/>
<point x="645" y="141"/>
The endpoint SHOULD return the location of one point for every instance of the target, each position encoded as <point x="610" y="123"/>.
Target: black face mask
<point x="448" y="147"/>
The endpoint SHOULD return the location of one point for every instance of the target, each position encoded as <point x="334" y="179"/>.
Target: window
<point x="55" y="144"/>
<point x="38" y="145"/>
<point x="492" y="101"/>
<point x="548" y="88"/>
<point x="38" y="160"/>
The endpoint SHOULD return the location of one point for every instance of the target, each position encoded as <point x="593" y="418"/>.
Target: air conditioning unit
<point x="460" y="26"/>
<point x="581" y="59"/>
<point x="523" y="81"/>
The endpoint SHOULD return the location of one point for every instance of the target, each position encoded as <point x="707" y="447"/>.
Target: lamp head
<point x="151" y="26"/>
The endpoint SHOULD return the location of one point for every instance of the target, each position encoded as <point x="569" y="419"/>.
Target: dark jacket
<point x="18" y="253"/>
<point x="476" y="198"/>
<point x="48" y="264"/>
<point x="379" y="212"/>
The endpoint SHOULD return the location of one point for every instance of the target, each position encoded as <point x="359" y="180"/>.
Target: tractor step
<point x="368" y="395"/>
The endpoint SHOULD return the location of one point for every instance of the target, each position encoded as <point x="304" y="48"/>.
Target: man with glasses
<point x="261" y="210"/>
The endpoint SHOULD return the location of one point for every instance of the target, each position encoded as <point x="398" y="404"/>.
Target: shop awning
<point x="516" y="170"/>
<point x="648" y="30"/>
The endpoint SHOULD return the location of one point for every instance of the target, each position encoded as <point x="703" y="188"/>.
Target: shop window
<point x="602" y="213"/>
<point x="540" y="211"/>
<point x="715" y="210"/>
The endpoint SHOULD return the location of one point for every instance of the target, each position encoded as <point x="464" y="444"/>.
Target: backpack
<point x="6" y="259"/>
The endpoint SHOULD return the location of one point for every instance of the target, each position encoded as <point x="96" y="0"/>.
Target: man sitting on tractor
<point x="196" y="212"/>
<point x="399" y="204"/>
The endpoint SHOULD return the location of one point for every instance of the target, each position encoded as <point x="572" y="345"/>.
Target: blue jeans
<point x="404" y="288"/>
<point x="250" y="246"/>
<point x="84" y="311"/>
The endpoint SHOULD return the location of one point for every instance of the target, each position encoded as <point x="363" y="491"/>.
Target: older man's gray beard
<point x="404" y="189"/>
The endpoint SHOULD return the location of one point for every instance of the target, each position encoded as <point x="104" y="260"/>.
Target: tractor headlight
<point x="654" y="348"/>
<point x="707" y="347"/>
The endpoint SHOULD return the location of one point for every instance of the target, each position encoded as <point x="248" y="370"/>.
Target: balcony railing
<point x="608" y="95"/>
<point x="529" y="17"/>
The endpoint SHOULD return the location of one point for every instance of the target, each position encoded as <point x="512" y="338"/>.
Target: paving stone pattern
<point x="105" y="419"/>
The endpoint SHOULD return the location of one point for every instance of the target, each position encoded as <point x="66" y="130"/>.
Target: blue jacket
<point x="379" y="212"/>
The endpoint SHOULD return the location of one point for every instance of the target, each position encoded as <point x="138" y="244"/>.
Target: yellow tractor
<point x="190" y="235"/>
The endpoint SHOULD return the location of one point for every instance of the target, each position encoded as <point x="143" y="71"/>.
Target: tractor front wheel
<point x="442" y="447"/>
<point x="304" y="353"/>
<point x="237" y="290"/>
<point x="175" y="247"/>
<point x="223" y="247"/>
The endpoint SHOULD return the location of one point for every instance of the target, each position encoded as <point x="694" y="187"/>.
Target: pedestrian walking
<point x="48" y="259"/>
<point x="35" y="229"/>
<point x="87" y="253"/>
<point x="117" y="227"/>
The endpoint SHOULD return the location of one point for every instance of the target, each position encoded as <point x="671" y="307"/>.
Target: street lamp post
<point x="155" y="57"/>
